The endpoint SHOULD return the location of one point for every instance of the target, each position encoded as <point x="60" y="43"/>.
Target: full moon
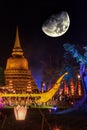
<point x="56" y="25"/>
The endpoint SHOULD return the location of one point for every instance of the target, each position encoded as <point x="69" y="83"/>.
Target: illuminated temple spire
<point x="17" y="50"/>
<point x="17" y="70"/>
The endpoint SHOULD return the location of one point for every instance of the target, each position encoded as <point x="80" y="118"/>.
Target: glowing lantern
<point x="66" y="90"/>
<point x="79" y="88"/>
<point x="72" y="86"/>
<point x="78" y="76"/>
<point x="20" y="112"/>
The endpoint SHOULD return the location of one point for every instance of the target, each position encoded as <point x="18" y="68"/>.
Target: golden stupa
<point x="17" y="72"/>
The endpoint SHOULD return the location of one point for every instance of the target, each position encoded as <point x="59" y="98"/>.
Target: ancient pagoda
<point x="17" y="72"/>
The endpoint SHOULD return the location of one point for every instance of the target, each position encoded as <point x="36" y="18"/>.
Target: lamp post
<point x="20" y="112"/>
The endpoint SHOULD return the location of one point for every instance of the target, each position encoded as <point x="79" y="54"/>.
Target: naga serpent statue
<point x="39" y="97"/>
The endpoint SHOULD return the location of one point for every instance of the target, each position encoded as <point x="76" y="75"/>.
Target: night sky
<point x="39" y="48"/>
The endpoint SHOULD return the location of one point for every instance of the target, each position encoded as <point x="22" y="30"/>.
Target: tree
<point x="81" y="59"/>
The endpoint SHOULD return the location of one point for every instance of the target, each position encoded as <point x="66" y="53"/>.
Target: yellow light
<point x="78" y="76"/>
<point x="20" y="112"/>
<point x="56" y="128"/>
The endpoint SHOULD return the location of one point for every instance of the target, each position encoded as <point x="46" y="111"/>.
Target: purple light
<point x="1" y="105"/>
